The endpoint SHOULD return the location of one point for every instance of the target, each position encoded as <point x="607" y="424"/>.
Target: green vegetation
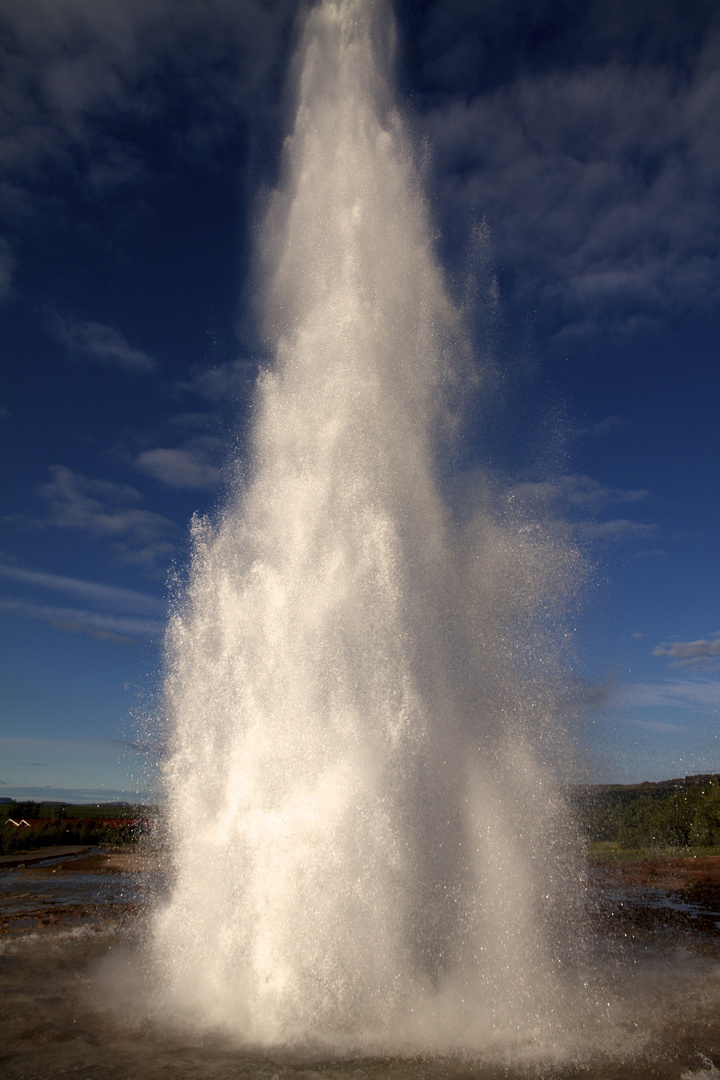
<point x="675" y="814"/>
<point x="55" y="823"/>
<point x="620" y="821"/>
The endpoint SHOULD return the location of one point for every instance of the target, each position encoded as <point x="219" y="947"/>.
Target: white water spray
<point x="371" y="849"/>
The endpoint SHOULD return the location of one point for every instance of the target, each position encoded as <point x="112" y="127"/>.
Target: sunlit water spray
<point x="371" y="847"/>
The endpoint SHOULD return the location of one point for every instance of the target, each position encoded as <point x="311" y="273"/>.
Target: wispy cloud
<point x="598" y="182"/>
<point x="77" y="794"/>
<point x="657" y="725"/>
<point x="104" y="345"/>
<point x="70" y="66"/>
<point x="101" y="625"/>
<point x="123" y="616"/>
<point x="605" y="429"/>
<point x="582" y="492"/>
<point x="618" y="530"/>
<point x="223" y="382"/>
<point x="586" y="492"/>
<point x="110" y="595"/>
<point x="679" y="692"/>
<point x="103" y="509"/>
<point x="100" y="769"/>
<point x="584" y="501"/>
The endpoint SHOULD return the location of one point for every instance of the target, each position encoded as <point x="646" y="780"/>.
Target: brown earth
<point x="696" y="877"/>
<point x="76" y="859"/>
<point x="673" y="897"/>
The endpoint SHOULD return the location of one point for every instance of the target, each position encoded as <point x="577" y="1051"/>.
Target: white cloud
<point x="657" y="725"/>
<point x="89" y="769"/>
<point x="584" y="491"/>
<point x="100" y="509"/>
<point x="690" y="652"/>
<point x="189" y="420"/>
<point x="580" y="492"/>
<point x="115" y="614"/>
<point x="105" y="346"/>
<point x="581" y="500"/>
<point x="24" y="793"/>
<point x="191" y="465"/>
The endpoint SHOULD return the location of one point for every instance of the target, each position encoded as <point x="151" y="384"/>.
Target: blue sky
<point x="139" y="139"/>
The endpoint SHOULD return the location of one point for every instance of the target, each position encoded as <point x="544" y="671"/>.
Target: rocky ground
<point x="675" y="895"/>
<point x="66" y="916"/>
<point x="71" y="887"/>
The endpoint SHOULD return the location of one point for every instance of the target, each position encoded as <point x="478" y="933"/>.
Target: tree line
<point x="681" y="813"/>
<point x="49" y="826"/>
<point x="673" y="814"/>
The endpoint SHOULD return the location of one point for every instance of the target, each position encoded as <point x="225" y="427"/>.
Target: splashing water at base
<point x="371" y="848"/>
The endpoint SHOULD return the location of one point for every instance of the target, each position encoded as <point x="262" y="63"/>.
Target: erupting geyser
<point x="371" y="847"/>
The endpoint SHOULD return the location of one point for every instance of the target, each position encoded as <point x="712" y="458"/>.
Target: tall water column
<point x="370" y="846"/>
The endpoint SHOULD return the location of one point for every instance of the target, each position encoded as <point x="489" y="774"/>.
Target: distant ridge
<point x="655" y="789"/>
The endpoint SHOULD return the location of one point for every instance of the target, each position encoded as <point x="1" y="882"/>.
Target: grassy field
<point x="611" y="850"/>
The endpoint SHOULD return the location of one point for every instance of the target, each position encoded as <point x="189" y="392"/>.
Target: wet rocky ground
<point x="660" y="895"/>
<point x="70" y="887"/>
<point x="68" y="916"/>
